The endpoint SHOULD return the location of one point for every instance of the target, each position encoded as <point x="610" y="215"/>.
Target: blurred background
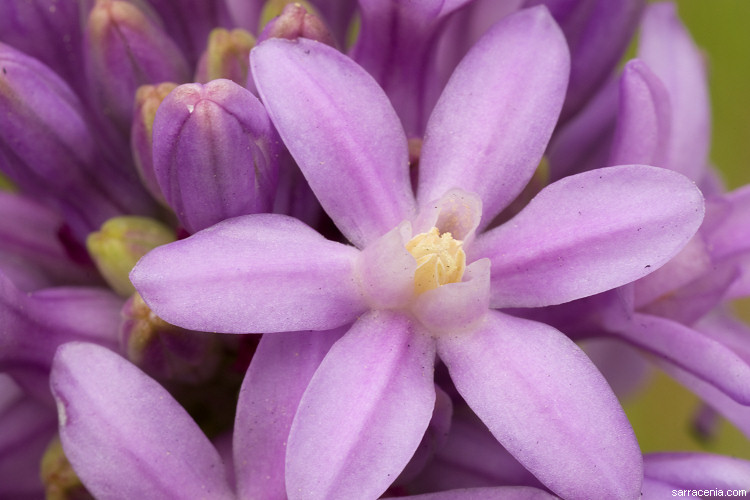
<point x="662" y="415"/>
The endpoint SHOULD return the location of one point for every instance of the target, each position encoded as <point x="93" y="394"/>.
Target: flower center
<point x="440" y="259"/>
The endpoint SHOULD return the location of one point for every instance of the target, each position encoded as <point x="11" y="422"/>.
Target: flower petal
<point x="643" y="119"/>
<point x="589" y="233"/>
<point x="583" y="143"/>
<point x="489" y="129"/>
<point x="470" y="458"/>
<point x="27" y="428"/>
<point x="496" y="493"/>
<point x="281" y="368"/>
<point x="342" y="131"/>
<point x="697" y="470"/>
<point x="598" y="33"/>
<point x="365" y="411"/>
<point x="543" y="399"/>
<point x="704" y="357"/>
<point x="666" y="46"/>
<point x="125" y="434"/>
<point x="258" y="273"/>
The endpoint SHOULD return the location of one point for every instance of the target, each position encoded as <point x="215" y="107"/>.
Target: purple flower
<point x="421" y="281"/>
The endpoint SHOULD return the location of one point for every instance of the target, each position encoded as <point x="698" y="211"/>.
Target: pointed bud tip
<point x="120" y="243"/>
<point x="58" y="477"/>
<point x="297" y="20"/>
<point x="226" y="56"/>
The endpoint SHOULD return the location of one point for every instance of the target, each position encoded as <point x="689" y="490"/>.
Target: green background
<point x="662" y="414"/>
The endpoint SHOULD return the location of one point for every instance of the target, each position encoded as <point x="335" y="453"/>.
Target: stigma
<point x="440" y="259"/>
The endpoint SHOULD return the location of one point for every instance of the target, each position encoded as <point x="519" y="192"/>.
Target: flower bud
<point x="46" y="147"/>
<point x="296" y="21"/>
<point x="215" y="153"/>
<point x="125" y="49"/>
<point x="189" y="22"/>
<point x="166" y="351"/>
<point x="227" y="56"/>
<point x="120" y="243"/>
<point x="147" y="101"/>
<point x="48" y="30"/>
<point x="60" y="480"/>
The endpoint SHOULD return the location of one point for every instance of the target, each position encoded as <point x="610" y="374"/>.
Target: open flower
<point x="421" y="282"/>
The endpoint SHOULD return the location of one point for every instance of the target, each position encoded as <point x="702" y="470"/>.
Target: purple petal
<point x="34" y="325"/>
<point x="736" y="413"/>
<point x="543" y="399"/>
<point x="691" y="263"/>
<point x="692" y="351"/>
<point x="30" y="247"/>
<point x="490" y="127"/>
<point x="472" y="457"/>
<point x="365" y="411"/>
<point x="252" y="274"/>
<point x="589" y="233"/>
<point x="703" y="471"/>
<point x="456" y="306"/>
<point x="643" y="119"/>
<point x="583" y="143"/>
<point x="343" y="132"/>
<point x="624" y="367"/>
<point x="656" y="490"/>
<point x="496" y="493"/>
<point x="386" y="269"/>
<point x="730" y="236"/>
<point x="598" y="32"/>
<point x="433" y="440"/>
<point x="124" y="434"/>
<point x="666" y="46"/>
<point x="281" y="368"/>
<point x="27" y="428"/>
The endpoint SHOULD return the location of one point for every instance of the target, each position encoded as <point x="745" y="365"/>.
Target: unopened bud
<point x="147" y="101"/>
<point x="164" y="350"/>
<point x="58" y="477"/>
<point x="46" y="146"/>
<point x="119" y="244"/>
<point x="227" y="56"/>
<point x="216" y="153"/>
<point x="125" y="49"/>
<point x="296" y="21"/>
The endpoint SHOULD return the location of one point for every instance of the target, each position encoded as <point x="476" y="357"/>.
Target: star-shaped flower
<point x="421" y="281"/>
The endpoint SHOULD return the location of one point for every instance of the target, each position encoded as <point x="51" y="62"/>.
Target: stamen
<point x="440" y="259"/>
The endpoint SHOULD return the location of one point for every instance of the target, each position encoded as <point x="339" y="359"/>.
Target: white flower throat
<point x="440" y="259"/>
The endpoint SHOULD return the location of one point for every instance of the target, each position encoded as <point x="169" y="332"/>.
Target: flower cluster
<point x="351" y="250"/>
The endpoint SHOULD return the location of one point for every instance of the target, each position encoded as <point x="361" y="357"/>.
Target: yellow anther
<point x="440" y="259"/>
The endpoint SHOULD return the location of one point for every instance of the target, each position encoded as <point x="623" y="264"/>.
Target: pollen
<point x="440" y="259"/>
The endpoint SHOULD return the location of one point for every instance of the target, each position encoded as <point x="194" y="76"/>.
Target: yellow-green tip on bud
<point x="118" y="245"/>
<point x="166" y="351"/>
<point x="58" y="477"/>
<point x="227" y="56"/>
<point x="7" y="185"/>
<point x="274" y="8"/>
<point x="147" y="101"/>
